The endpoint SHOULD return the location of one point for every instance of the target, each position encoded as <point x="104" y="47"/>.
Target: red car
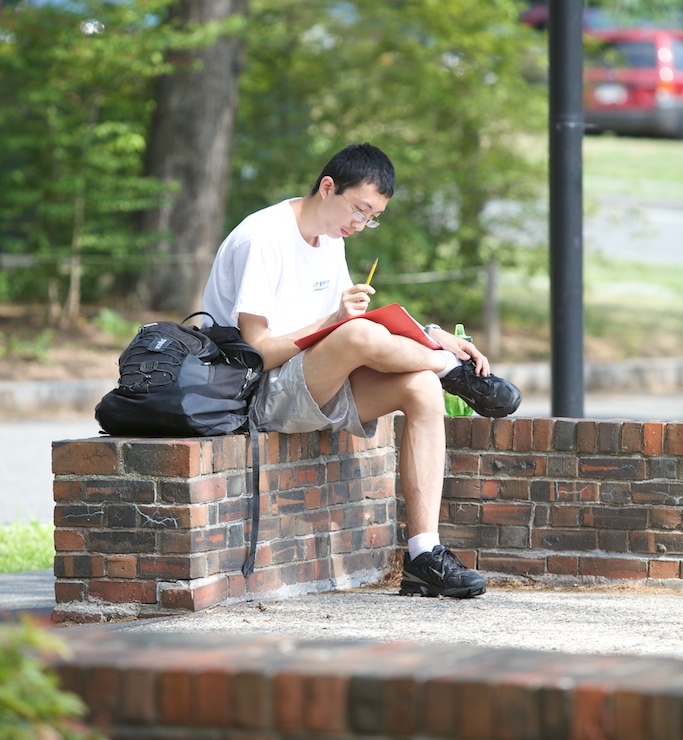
<point x="633" y="81"/>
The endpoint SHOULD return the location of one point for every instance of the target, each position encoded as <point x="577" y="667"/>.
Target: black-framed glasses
<point x="359" y="216"/>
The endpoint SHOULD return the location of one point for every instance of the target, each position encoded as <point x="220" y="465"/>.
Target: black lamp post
<point x="565" y="46"/>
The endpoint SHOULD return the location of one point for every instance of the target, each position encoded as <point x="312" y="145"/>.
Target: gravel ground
<point x="625" y="619"/>
<point x="635" y="620"/>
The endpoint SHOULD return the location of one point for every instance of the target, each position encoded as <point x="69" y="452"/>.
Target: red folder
<point x="394" y="317"/>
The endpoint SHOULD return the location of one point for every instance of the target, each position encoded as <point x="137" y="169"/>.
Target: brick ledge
<point x="188" y="685"/>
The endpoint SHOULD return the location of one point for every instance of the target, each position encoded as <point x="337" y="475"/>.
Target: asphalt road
<point x="26" y="465"/>
<point x="635" y="231"/>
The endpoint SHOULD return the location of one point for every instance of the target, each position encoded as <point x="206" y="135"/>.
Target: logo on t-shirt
<point x="321" y="285"/>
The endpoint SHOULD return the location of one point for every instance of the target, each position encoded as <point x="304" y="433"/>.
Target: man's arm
<point x="277" y="350"/>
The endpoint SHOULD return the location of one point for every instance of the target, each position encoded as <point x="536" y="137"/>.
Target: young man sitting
<point x="280" y="275"/>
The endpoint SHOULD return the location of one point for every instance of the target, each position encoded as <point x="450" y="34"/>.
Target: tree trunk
<point x="190" y="145"/>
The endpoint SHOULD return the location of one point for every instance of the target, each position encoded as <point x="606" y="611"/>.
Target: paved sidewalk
<point x="27" y="592"/>
<point x="625" y="619"/>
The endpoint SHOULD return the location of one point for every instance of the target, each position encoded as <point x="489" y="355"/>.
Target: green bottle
<point x="455" y="406"/>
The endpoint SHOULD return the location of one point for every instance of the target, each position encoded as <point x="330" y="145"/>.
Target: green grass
<point x="25" y="348"/>
<point x="26" y="547"/>
<point x="116" y="326"/>
<point x="639" y="168"/>
<point x="634" y="305"/>
<point x="618" y="165"/>
<point x="631" y="309"/>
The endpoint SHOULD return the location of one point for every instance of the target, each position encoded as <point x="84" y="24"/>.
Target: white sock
<point x="450" y="359"/>
<point x="424" y="542"/>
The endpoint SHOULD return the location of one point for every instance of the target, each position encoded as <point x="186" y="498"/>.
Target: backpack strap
<point x="199" y="313"/>
<point x="248" y="567"/>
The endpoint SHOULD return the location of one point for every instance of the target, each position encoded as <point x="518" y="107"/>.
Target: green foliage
<point x="31" y="703"/>
<point x="22" y="348"/>
<point x="439" y="86"/>
<point x="112" y="323"/>
<point x="26" y="547"/>
<point x="74" y="109"/>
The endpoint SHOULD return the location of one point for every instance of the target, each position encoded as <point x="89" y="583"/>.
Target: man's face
<point x="352" y="210"/>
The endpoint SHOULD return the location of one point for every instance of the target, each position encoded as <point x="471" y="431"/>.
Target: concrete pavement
<point x="623" y="619"/>
<point x="27" y="592"/>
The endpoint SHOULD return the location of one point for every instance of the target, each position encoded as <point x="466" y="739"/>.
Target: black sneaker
<point x="439" y="573"/>
<point x="488" y="396"/>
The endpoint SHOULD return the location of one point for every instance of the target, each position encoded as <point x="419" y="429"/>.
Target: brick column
<point x="150" y="526"/>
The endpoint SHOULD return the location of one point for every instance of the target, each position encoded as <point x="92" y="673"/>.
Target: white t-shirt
<point x="265" y="267"/>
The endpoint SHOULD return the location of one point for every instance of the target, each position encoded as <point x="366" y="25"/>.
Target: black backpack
<point x="181" y="381"/>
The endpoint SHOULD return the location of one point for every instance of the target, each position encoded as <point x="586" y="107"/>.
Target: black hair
<point x="358" y="164"/>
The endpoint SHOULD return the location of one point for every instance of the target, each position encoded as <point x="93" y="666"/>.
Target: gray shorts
<point x="284" y="404"/>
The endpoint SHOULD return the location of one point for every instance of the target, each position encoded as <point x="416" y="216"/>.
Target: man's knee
<point x="360" y="336"/>
<point x="424" y="393"/>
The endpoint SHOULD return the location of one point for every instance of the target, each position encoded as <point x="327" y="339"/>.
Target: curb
<point x="644" y="375"/>
<point x="34" y="398"/>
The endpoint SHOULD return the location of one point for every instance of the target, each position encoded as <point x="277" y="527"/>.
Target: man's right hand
<point x="354" y="301"/>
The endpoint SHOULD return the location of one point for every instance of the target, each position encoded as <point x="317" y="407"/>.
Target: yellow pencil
<point x="372" y="271"/>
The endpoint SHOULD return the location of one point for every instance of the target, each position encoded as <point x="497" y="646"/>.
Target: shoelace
<point x="446" y="557"/>
<point x="474" y="381"/>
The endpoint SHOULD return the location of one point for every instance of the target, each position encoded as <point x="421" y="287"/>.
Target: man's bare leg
<point x="357" y="344"/>
<point x="429" y="569"/>
<point x="390" y="373"/>
<point x="416" y="391"/>
<point x="423" y="445"/>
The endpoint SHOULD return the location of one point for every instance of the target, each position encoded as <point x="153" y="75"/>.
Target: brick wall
<point x="147" y="526"/>
<point x="562" y="498"/>
<point x="193" y="686"/>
